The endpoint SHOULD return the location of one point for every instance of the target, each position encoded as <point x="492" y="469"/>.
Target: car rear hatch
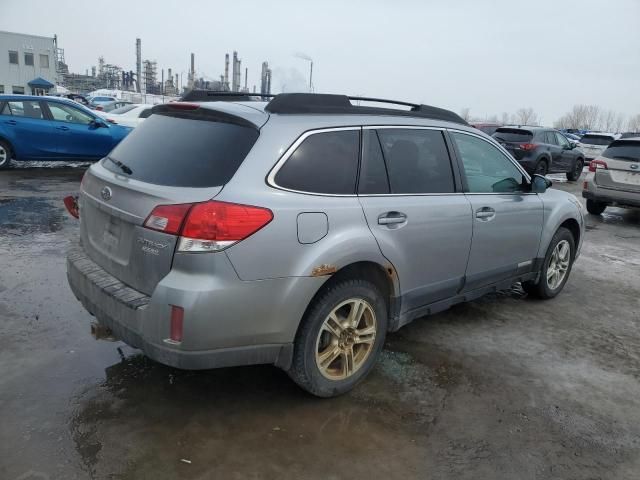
<point x="593" y="145"/>
<point x="183" y="154"/>
<point x="619" y="166"/>
<point x="516" y="141"/>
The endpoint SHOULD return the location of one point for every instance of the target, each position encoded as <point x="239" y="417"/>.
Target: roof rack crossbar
<point x="382" y="100"/>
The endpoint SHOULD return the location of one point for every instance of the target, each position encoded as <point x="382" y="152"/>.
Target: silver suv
<point x="299" y="232"/>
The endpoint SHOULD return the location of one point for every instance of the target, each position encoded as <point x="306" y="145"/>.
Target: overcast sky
<point x="491" y="56"/>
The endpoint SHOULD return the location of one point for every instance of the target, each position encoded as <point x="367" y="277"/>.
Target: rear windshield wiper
<point x="121" y="165"/>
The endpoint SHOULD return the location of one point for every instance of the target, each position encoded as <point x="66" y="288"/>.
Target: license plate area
<point x="631" y="178"/>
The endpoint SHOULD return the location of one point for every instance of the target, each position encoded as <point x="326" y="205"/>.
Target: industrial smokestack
<point x="246" y="75"/>
<point x="138" y="64"/>
<point x="192" y="75"/>
<point x="225" y="83"/>
<point x="234" y="73"/>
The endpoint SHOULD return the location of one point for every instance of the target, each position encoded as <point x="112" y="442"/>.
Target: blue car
<point x="48" y="128"/>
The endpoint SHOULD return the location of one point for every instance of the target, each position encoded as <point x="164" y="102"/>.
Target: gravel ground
<point x="504" y="387"/>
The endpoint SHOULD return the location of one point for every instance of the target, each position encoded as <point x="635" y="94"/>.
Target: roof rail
<point x="292" y="103"/>
<point x="217" y="96"/>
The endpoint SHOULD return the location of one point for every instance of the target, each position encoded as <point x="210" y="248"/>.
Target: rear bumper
<point x="613" y="197"/>
<point x="244" y="323"/>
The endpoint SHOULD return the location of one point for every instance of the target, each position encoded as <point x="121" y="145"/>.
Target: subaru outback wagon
<point x="299" y="232"/>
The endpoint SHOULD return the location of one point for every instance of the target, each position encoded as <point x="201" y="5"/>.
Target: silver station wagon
<point x="298" y="232"/>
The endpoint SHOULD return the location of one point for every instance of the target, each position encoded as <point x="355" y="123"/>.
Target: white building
<point x="27" y="63"/>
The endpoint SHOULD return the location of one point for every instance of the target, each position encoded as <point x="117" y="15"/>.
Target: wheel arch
<point x="4" y="139"/>
<point x="384" y="277"/>
<point x="573" y="226"/>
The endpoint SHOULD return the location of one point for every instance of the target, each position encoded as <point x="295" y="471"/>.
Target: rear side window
<point x="417" y="161"/>
<point x="183" y="152"/>
<point x="596" y="139"/>
<point x="515" y="135"/>
<point x="325" y="162"/>
<point x="623" y="150"/>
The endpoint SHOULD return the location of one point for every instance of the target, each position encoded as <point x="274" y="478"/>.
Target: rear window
<point x="182" y="152"/>
<point x="623" y="150"/>
<point x="323" y="163"/>
<point x="515" y="135"/>
<point x="125" y="109"/>
<point x="596" y="139"/>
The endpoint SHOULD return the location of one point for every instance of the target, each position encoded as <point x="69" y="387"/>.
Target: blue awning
<point x="40" y="82"/>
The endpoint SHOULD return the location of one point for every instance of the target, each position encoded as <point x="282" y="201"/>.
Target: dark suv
<point x="542" y="150"/>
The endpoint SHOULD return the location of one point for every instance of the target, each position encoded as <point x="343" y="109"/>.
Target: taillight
<point x="71" y="203"/>
<point x="167" y="218"/>
<point x="597" y="164"/>
<point x="210" y="226"/>
<point x="528" y="146"/>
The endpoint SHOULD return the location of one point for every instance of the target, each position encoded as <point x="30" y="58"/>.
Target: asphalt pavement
<point x="505" y="387"/>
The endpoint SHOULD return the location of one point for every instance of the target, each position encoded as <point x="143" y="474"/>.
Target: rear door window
<point x="623" y="150"/>
<point x="183" y="152"/>
<point x="513" y="135"/>
<point x="417" y="161"/>
<point x="26" y="109"/>
<point x="551" y="138"/>
<point x="373" y="172"/>
<point x="325" y="162"/>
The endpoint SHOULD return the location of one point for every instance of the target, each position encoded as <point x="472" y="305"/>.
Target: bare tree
<point x="526" y="116"/>
<point x="633" y="125"/>
<point x="586" y="117"/>
<point x="465" y="113"/>
<point x="506" y="118"/>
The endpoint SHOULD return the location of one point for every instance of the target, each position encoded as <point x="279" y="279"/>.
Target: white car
<point x="593" y="144"/>
<point x="129" y="115"/>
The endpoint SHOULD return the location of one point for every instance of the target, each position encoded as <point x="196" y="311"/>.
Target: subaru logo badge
<point x="106" y="193"/>
<point x="634" y="166"/>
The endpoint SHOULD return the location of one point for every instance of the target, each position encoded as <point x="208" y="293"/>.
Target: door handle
<point x="392" y="218"/>
<point x="485" y="213"/>
<point x="63" y="128"/>
<point x="11" y="122"/>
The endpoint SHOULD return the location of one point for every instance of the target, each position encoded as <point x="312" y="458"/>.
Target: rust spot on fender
<point x="324" y="269"/>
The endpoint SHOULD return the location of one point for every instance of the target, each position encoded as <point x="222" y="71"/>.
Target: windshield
<point x="596" y="139"/>
<point x="182" y="152"/>
<point x="514" y="135"/>
<point x="623" y="150"/>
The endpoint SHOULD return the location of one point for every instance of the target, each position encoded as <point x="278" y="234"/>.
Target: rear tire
<point x="542" y="168"/>
<point x="577" y="171"/>
<point x="340" y="338"/>
<point x="595" y="208"/>
<point x="5" y="155"/>
<point x="555" y="268"/>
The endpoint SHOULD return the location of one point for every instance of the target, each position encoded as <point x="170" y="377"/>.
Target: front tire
<point x="577" y="171"/>
<point x="594" y="207"/>
<point x="340" y="338"/>
<point x="5" y="155"/>
<point x="555" y="268"/>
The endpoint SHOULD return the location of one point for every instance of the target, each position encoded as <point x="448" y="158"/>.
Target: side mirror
<point x="539" y="184"/>
<point x="96" y="123"/>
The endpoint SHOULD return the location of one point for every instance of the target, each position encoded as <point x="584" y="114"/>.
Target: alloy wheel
<point x="4" y="155"/>
<point x="559" y="264"/>
<point x="346" y="339"/>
